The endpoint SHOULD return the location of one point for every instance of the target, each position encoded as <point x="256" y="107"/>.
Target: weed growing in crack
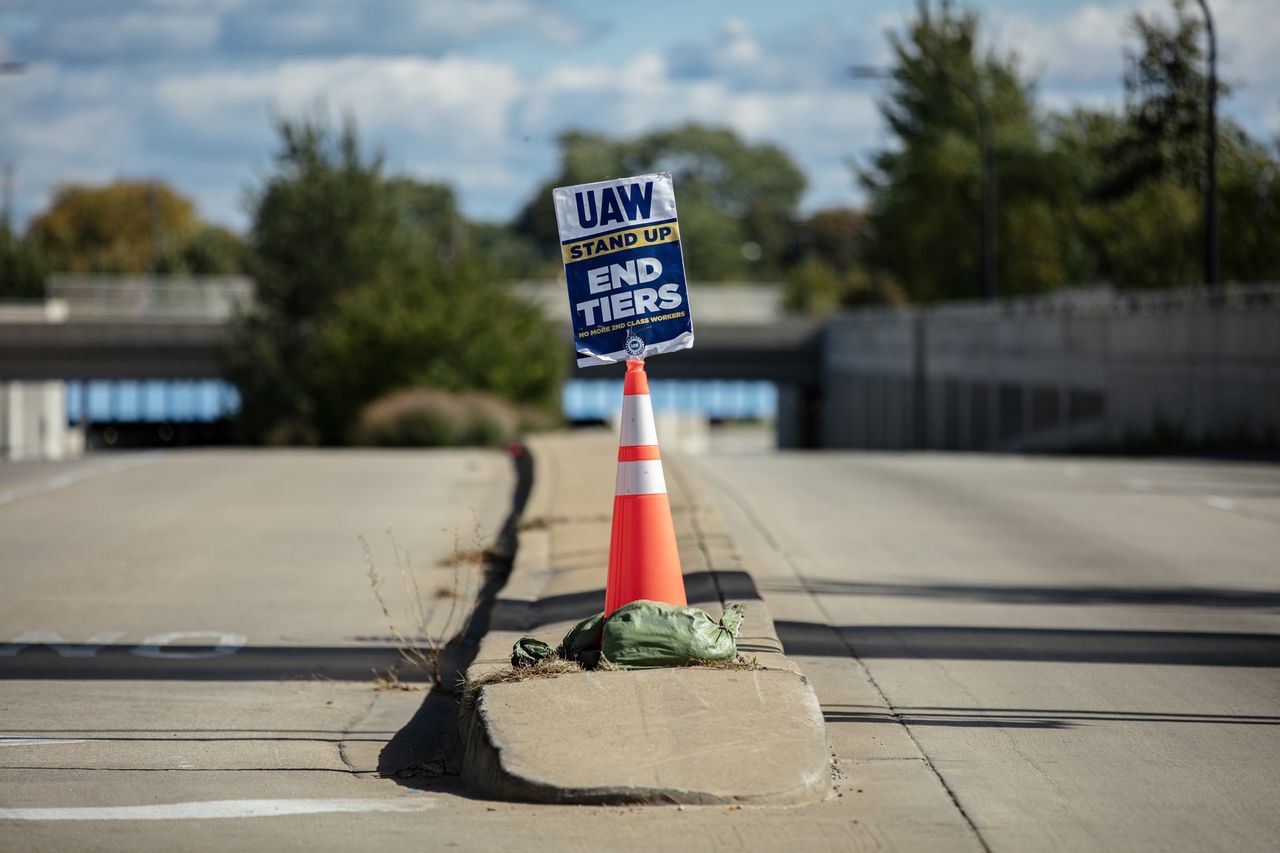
<point x="435" y="620"/>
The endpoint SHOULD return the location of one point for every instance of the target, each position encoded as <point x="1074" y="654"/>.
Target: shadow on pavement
<point x="427" y="750"/>
<point x="1028" y="717"/>
<point x="1070" y="595"/>
<point x="247" y="663"/>
<point x="1059" y="645"/>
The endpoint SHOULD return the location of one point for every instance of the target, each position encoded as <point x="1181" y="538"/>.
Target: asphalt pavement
<point x="1085" y="651"/>
<point x="1010" y="653"/>
<point x="190" y="645"/>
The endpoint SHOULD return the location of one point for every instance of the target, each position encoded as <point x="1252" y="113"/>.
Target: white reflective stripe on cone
<point x="637" y="421"/>
<point x="641" y="478"/>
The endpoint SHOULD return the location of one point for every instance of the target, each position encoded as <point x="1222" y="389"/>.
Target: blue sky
<point x="474" y="92"/>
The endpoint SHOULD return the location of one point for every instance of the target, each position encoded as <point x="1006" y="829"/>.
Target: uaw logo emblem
<point x="634" y="345"/>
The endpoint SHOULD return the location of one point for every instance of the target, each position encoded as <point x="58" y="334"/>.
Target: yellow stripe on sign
<point x="646" y="235"/>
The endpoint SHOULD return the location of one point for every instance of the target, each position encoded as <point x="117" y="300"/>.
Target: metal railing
<point x="211" y="299"/>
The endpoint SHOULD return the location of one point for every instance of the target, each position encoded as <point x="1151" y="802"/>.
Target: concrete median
<point x="691" y="735"/>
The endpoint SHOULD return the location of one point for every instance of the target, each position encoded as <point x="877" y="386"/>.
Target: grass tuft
<point x="423" y="647"/>
<point x="548" y="668"/>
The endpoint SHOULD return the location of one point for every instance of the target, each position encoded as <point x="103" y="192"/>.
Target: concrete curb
<point x="687" y="736"/>
<point x="693" y="735"/>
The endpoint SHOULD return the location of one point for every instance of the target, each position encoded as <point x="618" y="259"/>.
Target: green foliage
<point x="22" y="269"/>
<point x="1085" y="196"/>
<point x="1165" y="87"/>
<point x="323" y="223"/>
<point x="442" y="327"/>
<point x="207" y="250"/>
<point x="515" y="256"/>
<point x="427" y="218"/>
<point x="133" y="227"/>
<point x="1249" y="207"/>
<point x="816" y="289"/>
<point x="120" y="228"/>
<point x="366" y="287"/>
<point x="1139" y="177"/>
<point x="1149" y="238"/>
<point x="926" y="190"/>
<point x="736" y="200"/>
<point x="836" y="236"/>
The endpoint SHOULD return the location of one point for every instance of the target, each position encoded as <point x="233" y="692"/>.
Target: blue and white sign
<point x="622" y="260"/>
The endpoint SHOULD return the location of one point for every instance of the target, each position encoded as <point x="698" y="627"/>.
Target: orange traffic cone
<point x="643" y="559"/>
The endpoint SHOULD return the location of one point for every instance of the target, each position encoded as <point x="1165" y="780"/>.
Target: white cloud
<point x="1082" y="50"/>
<point x="206" y="130"/>
<point x="476" y="123"/>
<point x="1080" y="56"/>
<point x="1249" y="36"/>
<point x="816" y="53"/>
<point x="114" y="35"/>
<point x="818" y="125"/>
<point x="488" y="125"/>
<point x="145" y="30"/>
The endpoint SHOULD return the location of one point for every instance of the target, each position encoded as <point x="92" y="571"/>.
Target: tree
<point x="362" y="290"/>
<point x="207" y="250"/>
<point x="1164" y="85"/>
<point x="120" y="228"/>
<point x="1142" y="174"/>
<point x="836" y="236"/>
<point x="736" y="200"/>
<point x="132" y="227"/>
<point x="1249" y="193"/>
<point x="925" y="190"/>
<point x="22" y="269"/>
<point x="430" y="325"/>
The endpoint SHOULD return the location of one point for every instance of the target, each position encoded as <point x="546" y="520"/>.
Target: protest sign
<point x="620" y="242"/>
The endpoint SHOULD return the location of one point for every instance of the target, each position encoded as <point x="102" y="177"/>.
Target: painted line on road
<point x="70" y="478"/>
<point x="1219" y="502"/>
<point x="218" y="809"/>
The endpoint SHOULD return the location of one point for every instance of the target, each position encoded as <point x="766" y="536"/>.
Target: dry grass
<point x="741" y="663"/>
<point x="547" y="668"/>
<point x="433" y="417"/>
<point x="390" y="681"/>
<point x="423" y="647"/>
<point x="467" y="557"/>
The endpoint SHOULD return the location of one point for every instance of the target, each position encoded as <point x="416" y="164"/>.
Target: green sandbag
<point x="527" y="651"/>
<point x="582" y="643"/>
<point x="648" y="634"/>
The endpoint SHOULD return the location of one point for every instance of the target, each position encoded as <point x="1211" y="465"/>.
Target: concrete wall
<point x="1056" y="375"/>
<point x="33" y="422"/>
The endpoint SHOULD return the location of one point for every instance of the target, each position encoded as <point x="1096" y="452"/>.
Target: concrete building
<point x="33" y="422"/>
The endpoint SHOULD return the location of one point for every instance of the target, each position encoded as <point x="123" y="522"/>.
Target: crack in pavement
<point x="748" y="512"/>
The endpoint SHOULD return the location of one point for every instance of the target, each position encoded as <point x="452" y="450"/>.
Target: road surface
<point x="1012" y="654"/>
<point x="188" y="641"/>
<point x="1086" y="652"/>
<point x="187" y="653"/>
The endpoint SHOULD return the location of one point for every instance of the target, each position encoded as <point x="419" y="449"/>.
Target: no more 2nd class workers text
<point x="627" y="303"/>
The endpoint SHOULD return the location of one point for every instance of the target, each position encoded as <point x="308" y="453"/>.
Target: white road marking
<point x="70" y="478"/>
<point x="218" y="809"/>
<point x="1218" y="502"/>
<point x="44" y="741"/>
<point x="154" y="646"/>
<point x="90" y="647"/>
